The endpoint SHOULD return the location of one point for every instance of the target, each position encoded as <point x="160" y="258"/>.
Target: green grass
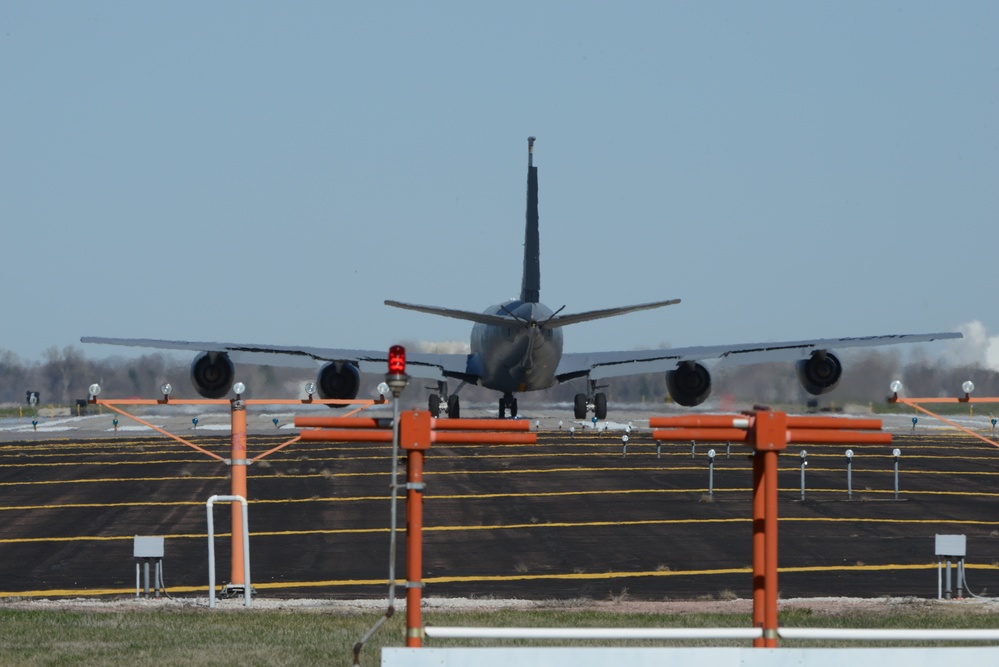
<point x="10" y="412"/>
<point x="197" y="637"/>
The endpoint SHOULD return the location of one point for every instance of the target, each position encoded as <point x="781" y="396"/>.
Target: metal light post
<point x="624" y="445"/>
<point x="711" y="472"/>
<point x="804" y="462"/>
<point x="896" y="453"/>
<point x="849" y="474"/>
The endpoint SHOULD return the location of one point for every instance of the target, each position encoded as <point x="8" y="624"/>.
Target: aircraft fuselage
<point x="516" y="358"/>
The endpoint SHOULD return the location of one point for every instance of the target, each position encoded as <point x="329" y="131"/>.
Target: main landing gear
<point x="443" y="402"/>
<point x="595" y="401"/>
<point x="507" y="402"/>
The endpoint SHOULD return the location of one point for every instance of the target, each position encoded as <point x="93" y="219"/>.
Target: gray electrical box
<point x="148" y="550"/>
<point x="954" y="546"/>
<point x="152" y="547"/>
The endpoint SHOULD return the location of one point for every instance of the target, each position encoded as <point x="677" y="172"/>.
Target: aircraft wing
<point x="614" y="364"/>
<point x="427" y="366"/>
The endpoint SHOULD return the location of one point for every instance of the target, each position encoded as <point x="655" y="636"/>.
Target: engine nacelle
<point x="339" y="379"/>
<point x="689" y="384"/>
<point x="212" y="374"/>
<point x="820" y="372"/>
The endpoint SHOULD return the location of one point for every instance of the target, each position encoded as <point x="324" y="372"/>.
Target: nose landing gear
<point x="507" y="402"/>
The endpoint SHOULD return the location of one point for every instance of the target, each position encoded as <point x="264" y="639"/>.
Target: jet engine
<point x="212" y="374"/>
<point x="820" y="372"/>
<point x="339" y="379"/>
<point x="689" y="384"/>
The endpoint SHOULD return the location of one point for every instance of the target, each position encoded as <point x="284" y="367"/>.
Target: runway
<point x="570" y="517"/>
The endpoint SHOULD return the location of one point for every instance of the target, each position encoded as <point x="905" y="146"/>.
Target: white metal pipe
<point x="211" y="546"/>
<point x="866" y="634"/>
<point x="442" y="632"/>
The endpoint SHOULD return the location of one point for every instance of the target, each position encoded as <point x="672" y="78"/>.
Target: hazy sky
<point x="271" y="172"/>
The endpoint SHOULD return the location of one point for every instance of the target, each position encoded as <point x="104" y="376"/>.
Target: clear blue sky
<point x="271" y="172"/>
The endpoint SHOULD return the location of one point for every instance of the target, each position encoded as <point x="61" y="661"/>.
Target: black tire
<point x="435" y="405"/>
<point x="453" y="407"/>
<point x="513" y="408"/>
<point x="600" y="406"/>
<point x="502" y="408"/>
<point x="580" y="407"/>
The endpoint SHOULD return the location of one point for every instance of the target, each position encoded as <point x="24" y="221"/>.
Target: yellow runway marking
<point x="513" y="526"/>
<point x="553" y="576"/>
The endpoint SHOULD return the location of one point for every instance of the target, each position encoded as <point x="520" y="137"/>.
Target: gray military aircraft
<point x="516" y="347"/>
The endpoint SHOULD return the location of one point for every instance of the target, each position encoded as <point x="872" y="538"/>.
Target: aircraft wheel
<point x="435" y="405"/>
<point x="580" y="407"/>
<point x="502" y="408"/>
<point x="453" y="407"/>
<point x="600" y="406"/>
<point x="513" y="408"/>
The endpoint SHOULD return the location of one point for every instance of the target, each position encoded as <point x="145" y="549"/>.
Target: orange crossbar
<point x="838" y="423"/>
<point x="342" y="422"/>
<point x="703" y="434"/>
<point x="827" y="436"/>
<point x="452" y="438"/>
<point x="746" y="421"/>
<point x="481" y="425"/>
<point x="702" y="421"/>
<point x="345" y="435"/>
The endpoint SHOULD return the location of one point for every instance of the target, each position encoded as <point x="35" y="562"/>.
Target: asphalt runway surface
<point x="569" y="517"/>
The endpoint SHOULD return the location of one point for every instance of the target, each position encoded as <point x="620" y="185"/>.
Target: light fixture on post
<point x="967" y="388"/>
<point x="895" y="387"/>
<point x="396" y="378"/>
<point x="95" y="391"/>
<point x="166" y="389"/>
<point x="239" y="389"/>
<point x="310" y="389"/>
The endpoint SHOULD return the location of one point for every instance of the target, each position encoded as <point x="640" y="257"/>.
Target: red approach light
<point x="397" y="360"/>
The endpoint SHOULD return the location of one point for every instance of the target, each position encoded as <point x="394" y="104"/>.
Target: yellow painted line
<point x="107" y="463"/>
<point x="554" y="576"/>
<point x="494" y="496"/>
<point x="513" y="526"/>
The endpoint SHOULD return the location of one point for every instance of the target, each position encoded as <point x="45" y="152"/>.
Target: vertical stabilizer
<point x="530" y="289"/>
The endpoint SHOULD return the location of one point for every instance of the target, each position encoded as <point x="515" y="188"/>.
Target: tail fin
<point x="530" y="288"/>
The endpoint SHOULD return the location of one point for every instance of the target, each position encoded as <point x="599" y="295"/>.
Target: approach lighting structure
<point x="239" y="388"/>
<point x="310" y="389"/>
<point x="166" y="389"/>
<point x="895" y="387"/>
<point x="967" y="388"/>
<point x="397" y="360"/>
<point x="95" y="390"/>
<point x="396" y="377"/>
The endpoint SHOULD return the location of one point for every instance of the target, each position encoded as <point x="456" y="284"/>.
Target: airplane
<point x="517" y="346"/>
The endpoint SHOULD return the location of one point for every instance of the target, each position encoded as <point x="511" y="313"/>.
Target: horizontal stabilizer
<point x="481" y="318"/>
<point x="565" y="320"/>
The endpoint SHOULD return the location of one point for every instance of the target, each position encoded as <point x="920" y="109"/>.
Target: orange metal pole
<point x="759" y="546"/>
<point x="237" y="467"/>
<point x="770" y="551"/>
<point x="414" y="549"/>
